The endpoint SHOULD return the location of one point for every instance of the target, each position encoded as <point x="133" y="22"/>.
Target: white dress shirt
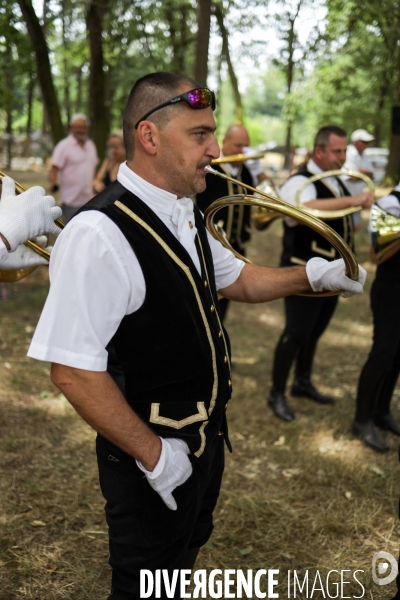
<point x="354" y="162"/>
<point x="96" y="278"/>
<point x="288" y="190"/>
<point x="390" y="203"/>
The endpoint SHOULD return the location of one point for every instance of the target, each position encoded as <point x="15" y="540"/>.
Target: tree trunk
<point x="67" y="103"/>
<point x="43" y="67"/>
<point x="203" y="41"/>
<point x="231" y="71"/>
<point x="97" y="80"/>
<point x="393" y="166"/>
<point x="31" y="90"/>
<point x="8" y="102"/>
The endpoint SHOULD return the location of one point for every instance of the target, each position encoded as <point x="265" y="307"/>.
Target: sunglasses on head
<point x="197" y="98"/>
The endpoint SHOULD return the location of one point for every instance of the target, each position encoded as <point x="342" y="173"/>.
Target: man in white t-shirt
<point x="357" y="161"/>
<point x="132" y="327"/>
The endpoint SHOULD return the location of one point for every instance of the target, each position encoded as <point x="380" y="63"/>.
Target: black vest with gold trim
<point x="300" y="243"/>
<point x="171" y="357"/>
<point x="235" y="220"/>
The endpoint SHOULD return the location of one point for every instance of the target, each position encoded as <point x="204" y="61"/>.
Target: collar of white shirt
<point x="329" y="181"/>
<point x="178" y="211"/>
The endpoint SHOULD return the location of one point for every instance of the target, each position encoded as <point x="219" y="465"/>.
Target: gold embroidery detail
<point x="298" y="261"/>
<point x="155" y="417"/>
<point x="200" y="451"/>
<point x="328" y="253"/>
<point x="188" y="274"/>
<point x="217" y="315"/>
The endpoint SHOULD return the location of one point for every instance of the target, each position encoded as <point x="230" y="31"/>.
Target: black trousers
<point x="306" y="321"/>
<point x="380" y="373"/>
<point x="143" y="532"/>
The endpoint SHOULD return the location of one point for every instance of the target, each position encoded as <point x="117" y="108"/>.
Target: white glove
<point x="173" y="469"/>
<point x="26" y="215"/>
<point x="330" y="275"/>
<point x="24" y="257"/>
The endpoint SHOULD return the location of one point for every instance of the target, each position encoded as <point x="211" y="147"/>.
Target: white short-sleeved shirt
<point x="289" y="189"/>
<point x="354" y="162"/>
<point x="96" y="280"/>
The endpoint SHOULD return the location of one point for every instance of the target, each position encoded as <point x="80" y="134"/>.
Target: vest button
<point x="225" y="359"/>
<point x="205" y="284"/>
<point x="226" y="406"/>
<point x="220" y="334"/>
<point x="230" y="384"/>
<point x="212" y="307"/>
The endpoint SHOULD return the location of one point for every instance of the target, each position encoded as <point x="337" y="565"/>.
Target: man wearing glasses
<point x="131" y="325"/>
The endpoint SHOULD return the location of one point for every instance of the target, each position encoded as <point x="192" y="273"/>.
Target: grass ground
<point x="299" y="496"/>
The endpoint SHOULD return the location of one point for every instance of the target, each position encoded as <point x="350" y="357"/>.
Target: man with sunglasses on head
<point x="132" y="327"/>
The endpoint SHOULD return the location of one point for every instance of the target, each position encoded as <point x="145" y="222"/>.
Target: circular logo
<point x="388" y="561"/>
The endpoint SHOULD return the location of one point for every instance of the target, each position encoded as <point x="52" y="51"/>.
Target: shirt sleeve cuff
<point x="67" y="358"/>
<point x="232" y="276"/>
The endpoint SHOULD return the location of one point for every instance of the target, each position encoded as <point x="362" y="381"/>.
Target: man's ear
<point x="317" y="152"/>
<point x="147" y="134"/>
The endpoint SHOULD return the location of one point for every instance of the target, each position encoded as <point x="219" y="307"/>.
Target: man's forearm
<point x="262" y="284"/>
<point x="330" y="204"/>
<point x="98" y="400"/>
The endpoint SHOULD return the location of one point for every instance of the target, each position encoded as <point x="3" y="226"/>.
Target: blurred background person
<point x="306" y="317"/>
<point x="74" y="159"/>
<point x="357" y="161"/>
<point x="110" y="165"/>
<point x="235" y="220"/>
<point x="380" y="373"/>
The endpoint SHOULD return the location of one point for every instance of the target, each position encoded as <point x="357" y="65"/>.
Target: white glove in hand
<point x="24" y="257"/>
<point x="173" y="469"/>
<point x="26" y="215"/>
<point x="325" y="275"/>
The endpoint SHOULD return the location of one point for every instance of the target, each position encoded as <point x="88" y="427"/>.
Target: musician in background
<point x="307" y="318"/>
<point x="380" y="373"/>
<point x="235" y="220"/>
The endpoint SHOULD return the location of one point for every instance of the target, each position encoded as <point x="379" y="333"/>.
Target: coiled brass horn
<point x="385" y="231"/>
<point x="264" y="200"/>
<point x="17" y="274"/>
<point x="261" y="218"/>
<point x="332" y="214"/>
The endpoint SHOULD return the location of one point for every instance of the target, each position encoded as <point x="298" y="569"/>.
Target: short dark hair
<point x="149" y="91"/>
<point x="323" y="135"/>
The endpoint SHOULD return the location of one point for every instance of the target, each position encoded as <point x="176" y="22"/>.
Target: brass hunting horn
<point x="385" y="231"/>
<point x="261" y="218"/>
<point x="333" y="214"/>
<point x="264" y="200"/>
<point x="17" y="274"/>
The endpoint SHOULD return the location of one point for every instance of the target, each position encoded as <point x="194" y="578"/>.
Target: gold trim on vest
<point x="157" y="419"/>
<point x="189" y="275"/>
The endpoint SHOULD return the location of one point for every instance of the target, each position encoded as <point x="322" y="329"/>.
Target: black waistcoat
<point x="300" y="243"/>
<point x="390" y="269"/>
<point x="172" y="353"/>
<point x="235" y="220"/>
